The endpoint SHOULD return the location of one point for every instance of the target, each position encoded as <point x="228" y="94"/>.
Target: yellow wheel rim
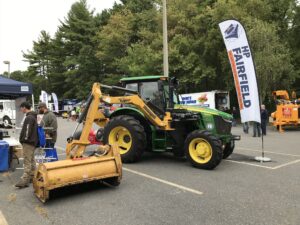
<point x="122" y="137"/>
<point x="200" y="150"/>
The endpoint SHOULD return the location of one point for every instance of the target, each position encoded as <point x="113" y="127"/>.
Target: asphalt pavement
<point x="162" y="189"/>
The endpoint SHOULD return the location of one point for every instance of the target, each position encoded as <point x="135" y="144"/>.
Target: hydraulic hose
<point x="83" y="114"/>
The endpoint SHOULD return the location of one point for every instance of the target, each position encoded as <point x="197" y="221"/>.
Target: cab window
<point x="132" y="86"/>
<point x="150" y="92"/>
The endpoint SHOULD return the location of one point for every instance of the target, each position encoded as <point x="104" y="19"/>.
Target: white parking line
<point x="265" y="167"/>
<point x="2" y="219"/>
<point x="164" y="181"/>
<point x="249" y="164"/>
<point x="275" y="153"/>
<point x="286" y="164"/>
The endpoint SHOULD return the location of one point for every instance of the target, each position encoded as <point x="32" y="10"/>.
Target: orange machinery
<point x="287" y="110"/>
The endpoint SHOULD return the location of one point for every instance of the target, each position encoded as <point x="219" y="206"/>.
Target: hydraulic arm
<point x="139" y="103"/>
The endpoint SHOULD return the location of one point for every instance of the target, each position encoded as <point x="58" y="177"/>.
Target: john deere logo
<point x="232" y="31"/>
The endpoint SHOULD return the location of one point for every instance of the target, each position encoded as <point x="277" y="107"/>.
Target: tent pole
<point x="32" y="98"/>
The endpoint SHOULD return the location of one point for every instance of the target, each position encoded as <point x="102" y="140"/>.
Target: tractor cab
<point x="155" y="91"/>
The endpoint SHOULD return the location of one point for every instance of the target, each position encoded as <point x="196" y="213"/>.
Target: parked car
<point x="7" y="113"/>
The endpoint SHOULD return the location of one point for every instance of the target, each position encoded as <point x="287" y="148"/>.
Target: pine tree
<point x="76" y="38"/>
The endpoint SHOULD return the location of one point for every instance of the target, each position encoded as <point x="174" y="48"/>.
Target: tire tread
<point x="136" y="153"/>
<point x="216" y="145"/>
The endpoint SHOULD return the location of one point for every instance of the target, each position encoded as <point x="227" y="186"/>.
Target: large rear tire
<point x="229" y="147"/>
<point x="130" y="136"/>
<point x="203" y="150"/>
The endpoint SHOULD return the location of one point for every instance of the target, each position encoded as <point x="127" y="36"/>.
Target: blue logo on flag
<point x="232" y="31"/>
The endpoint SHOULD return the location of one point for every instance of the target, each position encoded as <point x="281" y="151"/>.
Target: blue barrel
<point x="4" y="155"/>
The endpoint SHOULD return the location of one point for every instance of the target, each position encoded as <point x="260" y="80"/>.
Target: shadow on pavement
<point x="78" y="190"/>
<point x="244" y="158"/>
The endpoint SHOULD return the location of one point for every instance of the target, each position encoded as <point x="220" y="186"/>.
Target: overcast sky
<point x="22" y="20"/>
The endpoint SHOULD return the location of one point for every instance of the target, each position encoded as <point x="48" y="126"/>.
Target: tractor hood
<point x="205" y="110"/>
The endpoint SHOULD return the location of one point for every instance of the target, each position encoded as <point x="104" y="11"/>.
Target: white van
<point x="7" y="113"/>
<point x="216" y="99"/>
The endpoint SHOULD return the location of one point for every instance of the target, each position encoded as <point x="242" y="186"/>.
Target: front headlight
<point x="209" y="126"/>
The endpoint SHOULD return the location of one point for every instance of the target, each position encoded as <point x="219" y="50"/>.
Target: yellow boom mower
<point x="105" y="164"/>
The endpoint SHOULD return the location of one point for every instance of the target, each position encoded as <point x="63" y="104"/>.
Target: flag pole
<point x="165" y="40"/>
<point x="262" y="158"/>
<point x="262" y="146"/>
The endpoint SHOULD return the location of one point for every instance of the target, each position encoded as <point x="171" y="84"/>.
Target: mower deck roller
<point x="53" y="175"/>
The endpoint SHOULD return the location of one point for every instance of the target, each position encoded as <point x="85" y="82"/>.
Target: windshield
<point x="132" y="86"/>
<point x="149" y="91"/>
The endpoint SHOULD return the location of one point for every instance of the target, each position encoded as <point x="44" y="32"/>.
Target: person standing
<point x="256" y="129"/>
<point x="235" y="116"/>
<point x="246" y="127"/>
<point x="264" y="119"/>
<point x="28" y="139"/>
<point x="49" y="123"/>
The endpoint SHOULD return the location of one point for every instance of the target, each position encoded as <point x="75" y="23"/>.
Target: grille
<point x="222" y="126"/>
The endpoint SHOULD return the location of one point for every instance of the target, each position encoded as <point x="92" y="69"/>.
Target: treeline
<point x="127" y="41"/>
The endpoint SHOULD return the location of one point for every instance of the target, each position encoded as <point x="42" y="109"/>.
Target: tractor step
<point x="158" y="150"/>
<point x="159" y="143"/>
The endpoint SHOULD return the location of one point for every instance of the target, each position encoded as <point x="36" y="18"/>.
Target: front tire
<point x="203" y="150"/>
<point x="129" y="135"/>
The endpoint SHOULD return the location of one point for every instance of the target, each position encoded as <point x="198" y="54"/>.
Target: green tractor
<point x="201" y="135"/>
